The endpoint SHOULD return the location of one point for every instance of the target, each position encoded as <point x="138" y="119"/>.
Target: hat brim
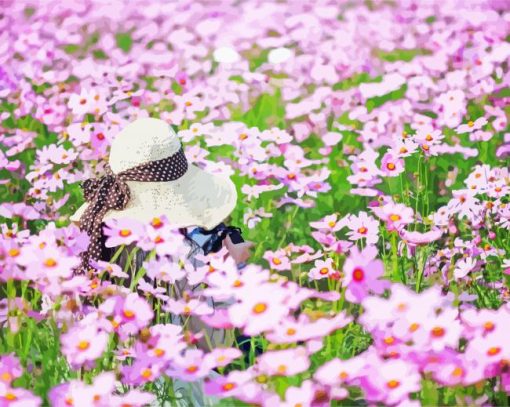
<point x="198" y="198"/>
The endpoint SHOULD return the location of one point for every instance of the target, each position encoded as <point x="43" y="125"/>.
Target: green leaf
<point x="124" y="41"/>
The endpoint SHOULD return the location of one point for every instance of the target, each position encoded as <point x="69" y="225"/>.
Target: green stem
<point x="394" y="256"/>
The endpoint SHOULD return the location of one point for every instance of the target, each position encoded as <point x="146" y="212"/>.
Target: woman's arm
<point x="240" y="252"/>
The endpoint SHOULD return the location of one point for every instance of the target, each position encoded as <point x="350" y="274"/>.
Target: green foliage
<point x="124" y="41"/>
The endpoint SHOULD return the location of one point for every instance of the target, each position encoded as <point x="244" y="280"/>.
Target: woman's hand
<point x="240" y="252"/>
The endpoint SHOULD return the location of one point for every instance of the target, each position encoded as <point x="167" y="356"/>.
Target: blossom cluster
<point x="369" y="145"/>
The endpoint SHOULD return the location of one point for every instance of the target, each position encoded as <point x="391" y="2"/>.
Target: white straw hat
<point x="197" y="198"/>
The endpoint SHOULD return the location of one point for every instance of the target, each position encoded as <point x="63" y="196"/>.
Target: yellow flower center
<point x="6" y="377"/>
<point x="10" y="396"/>
<point x="493" y="351"/>
<point x="259" y="308"/>
<point x="146" y="373"/>
<point x="389" y="340"/>
<point x="413" y="327"/>
<point x="437" y="332"/>
<point x="50" y="262"/>
<point x="228" y="386"/>
<point x="128" y="313"/>
<point x="13" y="252"/>
<point x="457" y="372"/>
<point x="83" y="345"/>
<point x="488" y="326"/>
<point x="156" y="223"/>
<point x="124" y="232"/>
<point x="358" y="274"/>
<point x="392" y="384"/>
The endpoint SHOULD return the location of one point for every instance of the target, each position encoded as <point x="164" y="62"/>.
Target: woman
<point x="148" y="176"/>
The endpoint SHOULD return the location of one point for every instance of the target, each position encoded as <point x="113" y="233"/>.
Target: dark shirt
<point x="106" y="252"/>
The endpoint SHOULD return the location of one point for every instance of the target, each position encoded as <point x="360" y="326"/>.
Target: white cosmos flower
<point x="226" y="55"/>
<point x="279" y="55"/>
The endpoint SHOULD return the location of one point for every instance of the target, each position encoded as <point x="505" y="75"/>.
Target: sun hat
<point x="148" y="176"/>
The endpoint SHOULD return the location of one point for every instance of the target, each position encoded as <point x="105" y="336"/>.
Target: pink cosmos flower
<point x="362" y="274"/>
<point x="391" y="166"/>
<point x="190" y="366"/>
<point x="394" y="382"/>
<point x="165" y="241"/>
<point x="143" y="370"/>
<point x="66" y="393"/>
<point x="417" y="238"/>
<point x="327" y="240"/>
<point x="219" y="319"/>
<point x="189" y="307"/>
<point x="133" y="397"/>
<point x="439" y="332"/>
<point x="489" y="350"/>
<point x="232" y="282"/>
<point x="10" y="210"/>
<point x="303" y="329"/>
<point x="363" y="226"/>
<point x="259" y="309"/>
<point x="84" y="344"/>
<point x="81" y="103"/>
<point x="161" y="346"/>
<point x="122" y="231"/>
<point x="323" y="269"/>
<point x="277" y="260"/>
<point x="288" y="362"/>
<point x="307" y="257"/>
<point x="162" y="269"/>
<point x="482" y="322"/>
<point x="396" y="216"/>
<point x="18" y="397"/>
<point x="56" y="154"/>
<point x="111" y="269"/>
<point x="10" y="369"/>
<point x="463" y="267"/>
<point x="471" y="126"/>
<point x="254" y="191"/>
<point x="305" y="394"/>
<point x="337" y="371"/>
<point x="329" y="223"/>
<point x="49" y="263"/>
<point x="8" y="164"/>
<point x="221" y="357"/>
<point x="252" y="217"/>
<point x="129" y="314"/>
<point x="229" y="385"/>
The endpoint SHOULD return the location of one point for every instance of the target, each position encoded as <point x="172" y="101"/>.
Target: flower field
<point x="369" y="144"/>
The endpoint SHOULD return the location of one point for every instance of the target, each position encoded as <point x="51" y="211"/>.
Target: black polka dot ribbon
<point x="111" y="192"/>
